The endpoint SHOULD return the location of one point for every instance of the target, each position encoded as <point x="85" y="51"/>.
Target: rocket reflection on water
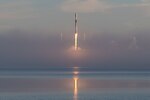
<point x="75" y="88"/>
<point x="75" y="79"/>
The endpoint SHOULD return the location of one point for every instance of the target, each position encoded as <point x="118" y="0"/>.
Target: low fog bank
<point x="22" y="49"/>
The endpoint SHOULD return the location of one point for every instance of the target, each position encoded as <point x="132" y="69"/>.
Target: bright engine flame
<point x="76" y="42"/>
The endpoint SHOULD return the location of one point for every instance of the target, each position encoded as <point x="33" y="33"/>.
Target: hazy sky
<point x="117" y="16"/>
<point x="117" y="33"/>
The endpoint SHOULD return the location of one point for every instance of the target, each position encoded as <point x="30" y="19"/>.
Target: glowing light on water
<point x="75" y="72"/>
<point x="75" y="88"/>
<point x="75" y="83"/>
<point x="75" y="78"/>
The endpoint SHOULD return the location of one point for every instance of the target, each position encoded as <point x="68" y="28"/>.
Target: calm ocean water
<point x="74" y="84"/>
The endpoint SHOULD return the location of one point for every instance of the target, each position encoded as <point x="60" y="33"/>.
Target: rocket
<point x="76" y="34"/>
<point x="76" y="21"/>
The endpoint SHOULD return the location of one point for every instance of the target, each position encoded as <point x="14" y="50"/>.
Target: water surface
<point x="74" y="84"/>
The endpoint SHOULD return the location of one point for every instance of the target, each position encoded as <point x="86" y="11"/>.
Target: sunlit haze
<point x="110" y="34"/>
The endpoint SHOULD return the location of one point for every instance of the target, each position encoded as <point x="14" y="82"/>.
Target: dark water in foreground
<point x="74" y="84"/>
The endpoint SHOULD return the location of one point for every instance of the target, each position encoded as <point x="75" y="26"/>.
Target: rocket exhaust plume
<point x="76" y="34"/>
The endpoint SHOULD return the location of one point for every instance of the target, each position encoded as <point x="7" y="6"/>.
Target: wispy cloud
<point x="84" y="5"/>
<point x="145" y="5"/>
<point x="87" y="6"/>
<point x="12" y="12"/>
<point x="18" y="9"/>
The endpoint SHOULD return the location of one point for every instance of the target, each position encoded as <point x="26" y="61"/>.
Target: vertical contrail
<point x="133" y="44"/>
<point x="84" y="37"/>
<point x="61" y="36"/>
<point x="76" y="34"/>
